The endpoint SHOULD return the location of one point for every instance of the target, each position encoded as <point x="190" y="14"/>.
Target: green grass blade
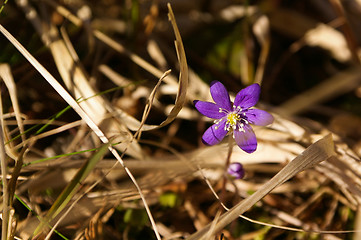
<point x="68" y="193"/>
<point x="3" y="6"/>
<point x="59" y="156"/>
<point x="35" y="214"/>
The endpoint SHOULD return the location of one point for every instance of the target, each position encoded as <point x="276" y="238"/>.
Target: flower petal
<point x="209" y="109"/>
<point x="259" y="117"/>
<point x="248" y="97"/>
<point x="220" y="95"/>
<point x="215" y="133"/>
<point x="247" y="140"/>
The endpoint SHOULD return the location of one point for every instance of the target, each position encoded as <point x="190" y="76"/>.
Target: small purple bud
<point x="236" y="170"/>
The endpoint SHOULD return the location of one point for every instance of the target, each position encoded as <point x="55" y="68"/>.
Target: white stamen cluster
<point x="235" y="120"/>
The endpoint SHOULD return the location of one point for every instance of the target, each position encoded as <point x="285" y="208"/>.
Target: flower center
<point x="235" y="120"/>
<point x="232" y="119"/>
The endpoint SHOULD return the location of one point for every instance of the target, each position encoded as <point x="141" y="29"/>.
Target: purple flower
<point x="233" y="117"/>
<point x="236" y="170"/>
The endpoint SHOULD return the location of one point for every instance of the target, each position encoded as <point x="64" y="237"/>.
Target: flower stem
<point x="228" y="160"/>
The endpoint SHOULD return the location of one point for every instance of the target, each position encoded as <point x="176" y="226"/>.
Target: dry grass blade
<point x="75" y="79"/>
<point x="5" y="74"/>
<point x="314" y="154"/>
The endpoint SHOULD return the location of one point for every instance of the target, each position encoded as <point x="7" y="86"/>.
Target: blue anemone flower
<point x="234" y="117"/>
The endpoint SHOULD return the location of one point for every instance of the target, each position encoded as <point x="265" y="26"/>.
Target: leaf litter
<point x="316" y="188"/>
